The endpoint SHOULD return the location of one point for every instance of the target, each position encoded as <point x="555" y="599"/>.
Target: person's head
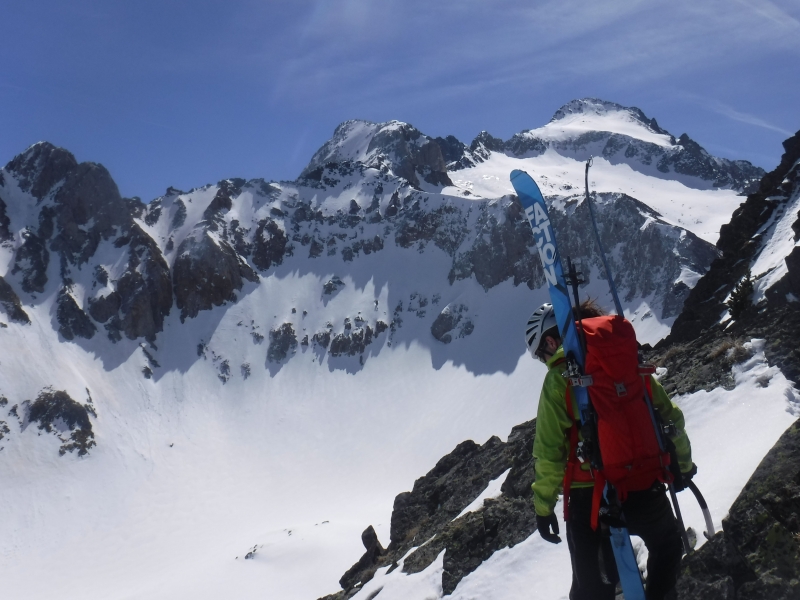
<point x="541" y="331"/>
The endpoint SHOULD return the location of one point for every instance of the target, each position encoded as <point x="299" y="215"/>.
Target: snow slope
<point x="701" y="211"/>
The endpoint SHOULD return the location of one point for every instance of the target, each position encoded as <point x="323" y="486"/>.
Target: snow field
<point x="190" y="473"/>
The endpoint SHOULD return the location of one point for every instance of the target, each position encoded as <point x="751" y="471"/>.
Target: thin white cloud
<point x="772" y="12"/>
<point x="360" y="50"/>
<point x="735" y="115"/>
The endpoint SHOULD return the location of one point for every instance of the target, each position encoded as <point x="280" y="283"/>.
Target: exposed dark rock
<point x="10" y="303"/>
<point x="40" y="167"/>
<point x="502" y="248"/>
<point x="408" y="153"/>
<point x="153" y="212"/>
<point x="221" y="203"/>
<point x="455" y="153"/>
<point x="452" y="322"/>
<point x="757" y="554"/>
<point x="488" y="141"/>
<point x="5" y="223"/>
<point x="56" y="412"/>
<point x="322" y="338"/>
<point x="72" y="321"/>
<point x="368" y="562"/>
<point x="32" y="259"/>
<point x="179" y="216"/>
<point x="136" y="207"/>
<point x="101" y="275"/>
<point x="88" y="209"/>
<point x="104" y="307"/>
<point x="793" y="265"/>
<point x="438" y="497"/>
<point x="282" y="342"/>
<point x="738" y="242"/>
<point x="333" y="285"/>
<point x="351" y="342"/>
<point x="145" y="288"/>
<point x="474" y="538"/>
<point x="269" y="244"/>
<point x="206" y="273"/>
<point x="446" y="226"/>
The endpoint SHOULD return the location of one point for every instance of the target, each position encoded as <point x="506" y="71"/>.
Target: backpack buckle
<point x="581" y="452"/>
<point x="575" y="376"/>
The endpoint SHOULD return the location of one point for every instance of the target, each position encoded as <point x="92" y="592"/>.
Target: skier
<point x="647" y="513"/>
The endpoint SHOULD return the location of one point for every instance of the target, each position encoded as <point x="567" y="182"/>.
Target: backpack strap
<point x="573" y="470"/>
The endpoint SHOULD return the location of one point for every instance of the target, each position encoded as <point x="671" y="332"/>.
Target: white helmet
<point x="542" y="319"/>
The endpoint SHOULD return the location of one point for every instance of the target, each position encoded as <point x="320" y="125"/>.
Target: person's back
<point x="647" y="511"/>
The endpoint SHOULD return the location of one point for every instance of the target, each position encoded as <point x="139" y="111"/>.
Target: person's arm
<point x="550" y="445"/>
<point x="670" y="412"/>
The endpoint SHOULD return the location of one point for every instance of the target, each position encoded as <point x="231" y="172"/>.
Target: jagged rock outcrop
<point x="207" y="273"/>
<point x="41" y="167"/>
<point x="32" y="257"/>
<point x="57" y="413"/>
<point x="739" y="242"/>
<point x="5" y="222"/>
<point x="396" y="146"/>
<point x="88" y="209"/>
<point x="426" y="513"/>
<point x="368" y="560"/>
<point x="453" y="322"/>
<point x="757" y="553"/>
<point x="143" y="293"/>
<point x="72" y="321"/>
<point x="282" y="343"/>
<point x="10" y="303"/>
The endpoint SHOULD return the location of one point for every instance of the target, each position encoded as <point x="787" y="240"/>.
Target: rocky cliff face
<point x="429" y="517"/>
<point x="741" y="244"/>
<point x="757" y="553"/>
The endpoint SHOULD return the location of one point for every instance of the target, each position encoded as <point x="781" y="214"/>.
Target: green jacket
<point x="551" y="446"/>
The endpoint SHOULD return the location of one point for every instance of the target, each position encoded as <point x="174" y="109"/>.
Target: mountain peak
<point x="602" y="115"/>
<point x="40" y="167"/>
<point x="408" y="152"/>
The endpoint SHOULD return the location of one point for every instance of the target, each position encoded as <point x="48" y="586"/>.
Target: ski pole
<point x="611" y="284"/>
<point x="687" y="547"/>
<point x="709" y="533"/>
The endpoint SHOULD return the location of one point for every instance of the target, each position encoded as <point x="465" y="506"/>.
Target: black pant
<point x="648" y="515"/>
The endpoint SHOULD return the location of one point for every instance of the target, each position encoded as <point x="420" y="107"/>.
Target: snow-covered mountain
<point x="237" y="363"/>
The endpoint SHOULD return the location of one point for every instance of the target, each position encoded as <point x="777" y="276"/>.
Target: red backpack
<point x="631" y="457"/>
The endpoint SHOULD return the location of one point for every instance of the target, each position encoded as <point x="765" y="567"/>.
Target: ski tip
<point x="516" y="173"/>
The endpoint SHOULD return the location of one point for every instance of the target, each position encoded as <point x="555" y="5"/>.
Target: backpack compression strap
<point x="573" y="470"/>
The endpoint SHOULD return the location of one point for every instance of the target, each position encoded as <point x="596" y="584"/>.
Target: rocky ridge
<point x="197" y="250"/>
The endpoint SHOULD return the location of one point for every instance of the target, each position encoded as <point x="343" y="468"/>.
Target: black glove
<point x="683" y="479"/>
<point x="544" y="524"/>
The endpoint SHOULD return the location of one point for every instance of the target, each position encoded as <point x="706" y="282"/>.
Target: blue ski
<point x="536" y="212"/>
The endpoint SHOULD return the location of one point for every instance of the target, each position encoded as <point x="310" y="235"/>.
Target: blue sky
<point x="185" y="93"/>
